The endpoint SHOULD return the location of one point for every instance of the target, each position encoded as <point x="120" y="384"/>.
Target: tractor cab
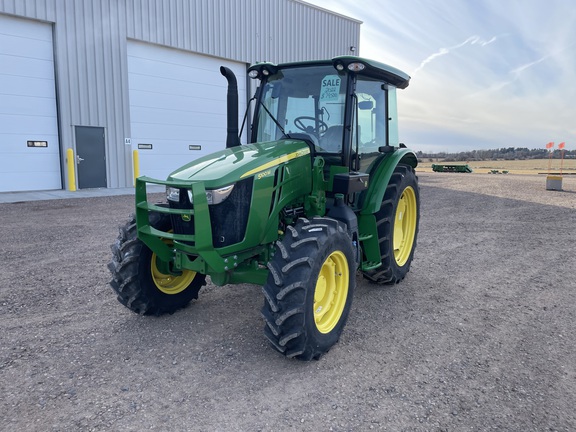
<point x="345" y="108"/>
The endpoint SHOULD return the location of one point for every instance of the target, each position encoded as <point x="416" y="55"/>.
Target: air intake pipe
<point x="232" y="139"/>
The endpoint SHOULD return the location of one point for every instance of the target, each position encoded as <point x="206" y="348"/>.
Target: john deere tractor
<point x="322" y="191"/>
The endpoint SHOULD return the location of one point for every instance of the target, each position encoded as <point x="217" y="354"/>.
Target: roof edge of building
<point x="313" y="6"/>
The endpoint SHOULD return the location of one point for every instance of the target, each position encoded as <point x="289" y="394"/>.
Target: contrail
<point x="472" y="40"/>
<point x="522" y="68"/>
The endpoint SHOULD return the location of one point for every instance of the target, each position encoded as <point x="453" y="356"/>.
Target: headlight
<point x="356" y="67"/>
<point x="216" y="196"/>
<point x="213" y="196"/>
<point x="172" y="194"/>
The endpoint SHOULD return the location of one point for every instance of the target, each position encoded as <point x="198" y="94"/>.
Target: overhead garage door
<point x="29" y="149"/>
<point x="177" y="105"/>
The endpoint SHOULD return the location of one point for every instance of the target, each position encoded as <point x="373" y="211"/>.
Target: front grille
<point x="228" y="219"/>
<point x="180" y="225"/>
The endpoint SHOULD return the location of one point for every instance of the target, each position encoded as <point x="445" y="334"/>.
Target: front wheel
<point x="397" y="222"/>
<point x="137" y="279"/>
<point x="309" y="291"/>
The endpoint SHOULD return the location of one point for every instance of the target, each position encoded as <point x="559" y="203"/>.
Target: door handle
<point x="78" y="160"/>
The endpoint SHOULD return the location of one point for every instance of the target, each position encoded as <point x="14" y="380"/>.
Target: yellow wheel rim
<point x="405" y="226"/>
<point x="168" y="283"/>
<point x="331" y="292"/>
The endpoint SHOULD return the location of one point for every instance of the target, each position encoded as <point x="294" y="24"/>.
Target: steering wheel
<point x="299" y="123"/>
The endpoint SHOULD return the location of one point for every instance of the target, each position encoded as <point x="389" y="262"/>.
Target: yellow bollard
<point x="136" y="163"/>
<point x="70" y="164"/>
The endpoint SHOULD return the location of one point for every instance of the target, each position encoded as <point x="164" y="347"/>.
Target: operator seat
<point x="331" y="141"/>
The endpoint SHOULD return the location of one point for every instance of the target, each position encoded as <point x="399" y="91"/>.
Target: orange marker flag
<point x="549" y="146"/>
<point x="561" y="147"/>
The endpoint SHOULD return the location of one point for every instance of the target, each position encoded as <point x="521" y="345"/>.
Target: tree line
<point x="509" y="153"/>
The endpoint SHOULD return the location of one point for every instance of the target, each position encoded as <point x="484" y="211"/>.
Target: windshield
<point x="306" y="100"/>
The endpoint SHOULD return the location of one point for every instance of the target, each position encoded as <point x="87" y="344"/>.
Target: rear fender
<point x="380" y="177"/>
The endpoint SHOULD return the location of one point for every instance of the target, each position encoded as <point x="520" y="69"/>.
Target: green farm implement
<point x="451" y="168"/>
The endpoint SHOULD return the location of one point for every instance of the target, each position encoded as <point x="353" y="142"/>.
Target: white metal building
<point x="102" y="78"/>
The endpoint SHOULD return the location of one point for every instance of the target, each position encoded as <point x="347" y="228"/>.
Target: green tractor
<point x="322" y="191"/>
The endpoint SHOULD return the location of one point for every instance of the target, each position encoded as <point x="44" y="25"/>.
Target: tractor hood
<point x="233" y="164"/>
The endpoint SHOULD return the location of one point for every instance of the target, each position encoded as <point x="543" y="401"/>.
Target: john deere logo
<point x="186" y="218"/>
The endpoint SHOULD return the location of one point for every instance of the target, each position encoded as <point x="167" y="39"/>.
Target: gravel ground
<point x="480" y="336"/>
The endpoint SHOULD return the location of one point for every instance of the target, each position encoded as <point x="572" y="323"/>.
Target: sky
<point x="484" y="73"/>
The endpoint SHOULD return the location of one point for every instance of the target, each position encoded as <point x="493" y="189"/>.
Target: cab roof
<point x="372" y="68"/>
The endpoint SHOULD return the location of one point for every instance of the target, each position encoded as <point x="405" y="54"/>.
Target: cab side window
<point x="370" y="128"/>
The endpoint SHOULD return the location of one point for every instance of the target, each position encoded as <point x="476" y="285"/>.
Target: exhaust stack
<point x="232" y="139"/>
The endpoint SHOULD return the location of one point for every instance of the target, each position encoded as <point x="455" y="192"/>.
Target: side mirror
<point x="365" y="105"/>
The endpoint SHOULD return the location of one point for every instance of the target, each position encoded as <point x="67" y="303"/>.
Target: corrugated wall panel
<point x="90" y="38"/>
<point x="91" y="44"/>
<point x="247" y="31"/>
<point x="41" y="10"/>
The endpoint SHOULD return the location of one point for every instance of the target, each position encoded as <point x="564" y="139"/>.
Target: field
<point x="531" y="166"/>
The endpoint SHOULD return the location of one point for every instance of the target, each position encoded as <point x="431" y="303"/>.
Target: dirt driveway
<point x="480" y="336"/>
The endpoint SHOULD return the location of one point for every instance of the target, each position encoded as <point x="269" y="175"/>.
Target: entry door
<point x="90" y="157"/>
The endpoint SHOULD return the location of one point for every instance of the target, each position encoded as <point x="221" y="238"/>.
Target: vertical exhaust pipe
<point x="232" y="139"/>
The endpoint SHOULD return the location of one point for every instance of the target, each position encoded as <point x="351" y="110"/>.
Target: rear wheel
<point x="137" y="279"/>
<point x="309" y="291"/>
<point x="397" y="222"/>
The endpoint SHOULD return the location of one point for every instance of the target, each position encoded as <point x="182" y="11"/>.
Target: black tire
<point x="140" y="286"/>
<point x="397" y="253"/>
<point x="313" y="256"/>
